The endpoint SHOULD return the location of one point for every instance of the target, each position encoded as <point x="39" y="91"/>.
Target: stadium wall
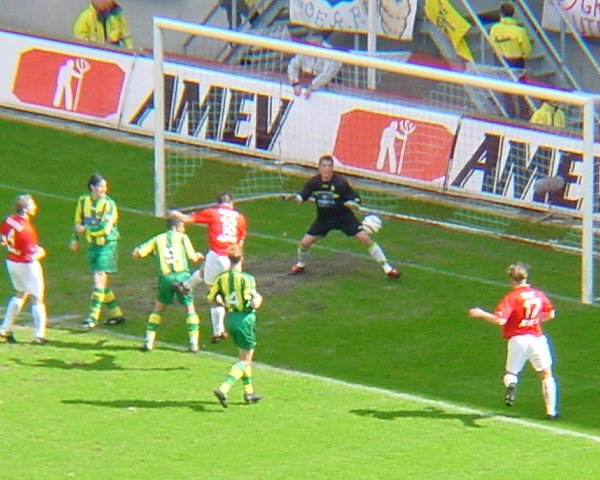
<point x="55" y="18"/>
<point x="442" y="152"/>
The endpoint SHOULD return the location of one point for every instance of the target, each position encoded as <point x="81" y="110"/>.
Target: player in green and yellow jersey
<point x="236" y="291"/>
<point x="172" y="250"/>
<point x="96" y="219"/>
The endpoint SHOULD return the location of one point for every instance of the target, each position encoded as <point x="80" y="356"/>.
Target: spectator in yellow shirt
<point x="549" y="114"/>
<point x="103" y="22"/>
<point x="117" y="28"/>
<point x="90" y="23"/>
<point x="510" y="39"/>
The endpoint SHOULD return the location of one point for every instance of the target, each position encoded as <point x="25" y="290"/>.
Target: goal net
<point x="439" y="146"/>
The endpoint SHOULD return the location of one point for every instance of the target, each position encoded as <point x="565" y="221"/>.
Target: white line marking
<point x="416" y="266"/>
<point x="66" y="320"/>
<point x="405" y="396"/>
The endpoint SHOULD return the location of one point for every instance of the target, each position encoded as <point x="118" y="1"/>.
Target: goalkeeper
<point x="335" y="199"/>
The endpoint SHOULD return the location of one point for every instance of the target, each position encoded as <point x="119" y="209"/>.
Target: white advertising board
<point x="373" y="138"/>
<point x="502" y="163"/>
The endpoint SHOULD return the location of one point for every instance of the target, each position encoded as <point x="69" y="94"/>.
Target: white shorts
<point x="27" y="277"/>
<point x="528" y="347"/>
<point x="214" y="265"/>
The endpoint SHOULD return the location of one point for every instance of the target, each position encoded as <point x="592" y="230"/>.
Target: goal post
<point x="422" y="132"/>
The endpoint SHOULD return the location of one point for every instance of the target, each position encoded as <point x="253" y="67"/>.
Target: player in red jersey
<point x="520" y="314"/>
<point x="226" y="227"/>
<point x="19" y="236"/>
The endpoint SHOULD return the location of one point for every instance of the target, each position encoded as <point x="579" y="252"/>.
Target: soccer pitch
<point x="397" y="382"/>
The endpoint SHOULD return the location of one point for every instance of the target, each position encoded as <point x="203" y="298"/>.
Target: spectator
<point x="117" y="28"/>
<point x="90" y="23"/>
<point x="307" y="74"/>
<point x="511" y="42"/>
<point x="549" y="114"/>
<point x="510" y="39"/>
<point x="103" y="22"/>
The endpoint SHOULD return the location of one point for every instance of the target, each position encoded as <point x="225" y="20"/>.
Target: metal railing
<point x="244" y="26"/>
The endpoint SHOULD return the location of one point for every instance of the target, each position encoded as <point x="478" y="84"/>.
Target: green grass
<point x="106" y="411"/>
<point x="92" y="406"/>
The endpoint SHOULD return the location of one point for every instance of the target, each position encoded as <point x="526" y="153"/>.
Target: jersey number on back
<point x="532" y="307"/>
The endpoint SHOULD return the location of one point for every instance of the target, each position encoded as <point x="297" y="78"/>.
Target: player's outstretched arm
<point x="352" y="205"/>
<point x="477" y="312"/>
<point x="292" y="197"/>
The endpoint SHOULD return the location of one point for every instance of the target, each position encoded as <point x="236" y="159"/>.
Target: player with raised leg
<point x="226" y="227"/>
<point x="335" y="200"/>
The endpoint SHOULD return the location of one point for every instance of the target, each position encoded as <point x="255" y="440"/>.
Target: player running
<point x="520" y="314"/>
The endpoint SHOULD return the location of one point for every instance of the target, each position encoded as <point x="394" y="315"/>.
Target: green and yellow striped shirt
<point x="99" y="217"/>
<point x="171" y="251"/>
<point x="236" y="289"/>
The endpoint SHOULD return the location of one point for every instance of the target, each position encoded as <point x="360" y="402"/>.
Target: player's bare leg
<point x="376" y="253"/>
<point x="14" y="307"/>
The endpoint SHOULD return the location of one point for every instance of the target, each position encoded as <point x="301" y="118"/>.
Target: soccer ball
<point x="371" y="224"/>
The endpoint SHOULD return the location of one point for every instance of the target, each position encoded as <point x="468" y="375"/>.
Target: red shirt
<point x="522" y="309"/>
<point x="226" y="227"/>
<point x="21" y="237"/>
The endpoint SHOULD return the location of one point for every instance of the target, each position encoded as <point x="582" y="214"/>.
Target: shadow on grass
<point x="104" y="362"/>
<point x="468" y="419"/>
<point x="132" y="405"/>
<point x="102" y="344"/>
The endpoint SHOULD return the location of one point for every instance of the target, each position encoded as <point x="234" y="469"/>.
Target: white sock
<point x="150" y="338"/>
<point x="549" y="392"/>
<point x="302" y="256"/>
<point x="377" y="254"/>
<point x="510" y="378"/>
<point x="40" y="319"/>
<point x="195" y="279"/>
<point x="13" y="309"/>
<point x="217" y="317"/>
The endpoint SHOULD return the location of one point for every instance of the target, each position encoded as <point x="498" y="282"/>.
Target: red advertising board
<point x="401" y="147"/>
<point x="70" y="83"/>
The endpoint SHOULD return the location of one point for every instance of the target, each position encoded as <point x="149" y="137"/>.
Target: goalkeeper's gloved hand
<point x="292" y="197"/>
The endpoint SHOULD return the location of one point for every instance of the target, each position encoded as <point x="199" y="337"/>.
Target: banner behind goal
<point x="232" y="121"/>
